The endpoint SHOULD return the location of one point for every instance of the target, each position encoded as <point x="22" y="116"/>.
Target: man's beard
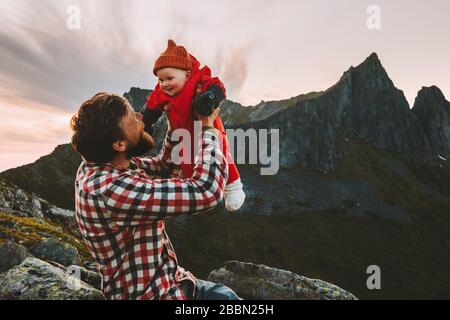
<point x="144" y="145"/>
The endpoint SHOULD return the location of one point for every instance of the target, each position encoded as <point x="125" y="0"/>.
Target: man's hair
<point x="96" y="126"/>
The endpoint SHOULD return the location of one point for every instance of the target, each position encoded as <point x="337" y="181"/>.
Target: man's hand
<point x="209" y="120"/>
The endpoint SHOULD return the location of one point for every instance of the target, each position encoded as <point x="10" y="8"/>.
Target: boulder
<point x="257" y="281"/>
<point x="18" y="202"/>
<point x="35" y="279"/>
<point x="11" y="254"/>
<point x="54" y="250"/>
<point x="64" y="217"/>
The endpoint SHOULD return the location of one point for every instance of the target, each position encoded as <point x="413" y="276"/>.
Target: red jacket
<point x="181" y="114"/>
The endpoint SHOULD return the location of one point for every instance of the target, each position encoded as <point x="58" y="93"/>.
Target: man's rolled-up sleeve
<point x="134" y="200"/>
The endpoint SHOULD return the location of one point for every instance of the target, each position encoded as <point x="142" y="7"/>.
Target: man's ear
<point x="188" y="73"/>
<point x="120" y="146"/>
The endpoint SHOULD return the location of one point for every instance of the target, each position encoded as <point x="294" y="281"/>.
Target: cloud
<point x="116" y="45"/>
<point x="260" y="49"/>
<point x="33" y="123"/>
<point x="232" y="66"/>
<point x="29" y="130"/>
<point x="54" y="65"/>
<point x="47" y="70"/>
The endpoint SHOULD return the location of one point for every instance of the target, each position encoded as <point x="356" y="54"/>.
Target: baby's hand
<point x="167" y="107"/>
<point x="207" y="121"/>
<point x="198" y="89"/>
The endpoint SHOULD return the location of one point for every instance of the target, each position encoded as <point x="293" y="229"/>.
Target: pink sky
<point x="263" y="50"/>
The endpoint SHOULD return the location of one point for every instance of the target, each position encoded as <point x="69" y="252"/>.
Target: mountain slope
<point x="363" y="101"/>
<point x="360" y="183"/>
<point x="51" y="176"/>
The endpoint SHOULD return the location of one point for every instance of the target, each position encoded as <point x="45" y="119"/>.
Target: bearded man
<point x="121" y="208"/>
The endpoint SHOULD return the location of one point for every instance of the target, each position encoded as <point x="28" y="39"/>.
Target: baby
<point x="184" y="87"/>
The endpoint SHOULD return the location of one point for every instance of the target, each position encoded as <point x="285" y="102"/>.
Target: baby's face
<point x="172" y="80"/>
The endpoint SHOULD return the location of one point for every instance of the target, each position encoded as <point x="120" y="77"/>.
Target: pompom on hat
<point x="174" y="57"/>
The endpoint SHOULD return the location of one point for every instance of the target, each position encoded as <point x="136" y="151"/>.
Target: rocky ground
<point x="42" y="257"/>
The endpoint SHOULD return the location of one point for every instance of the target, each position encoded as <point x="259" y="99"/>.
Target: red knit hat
<point x="174" y="57"/>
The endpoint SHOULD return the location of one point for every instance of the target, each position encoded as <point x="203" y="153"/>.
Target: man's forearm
<point x="161" y="165"/>
<point x="134" y="199"/>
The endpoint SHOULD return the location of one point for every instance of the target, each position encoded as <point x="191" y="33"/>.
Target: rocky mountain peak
<point x="379" y="113"/>
<point x="372" y="75"/>
<point x="137" y="97"/>
<point x="364" y="103"/>
<point x="433" y="112"/>
<point x="370" y="72"/>
<point x="432" y="95"/>
<point x="373" y="59"/>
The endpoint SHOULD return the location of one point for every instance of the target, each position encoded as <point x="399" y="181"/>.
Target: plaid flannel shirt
<point x="121" y="213"/>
